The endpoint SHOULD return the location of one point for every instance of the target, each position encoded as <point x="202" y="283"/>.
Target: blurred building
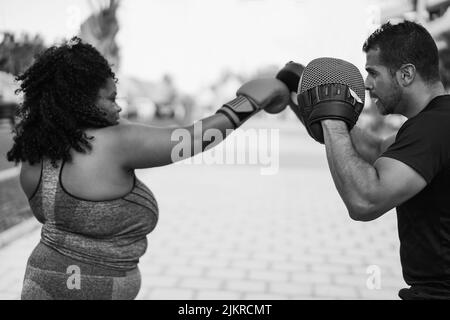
<point x="17" y="53"/>
<point x="439" y="26"/>
<point x="434" y="15"/>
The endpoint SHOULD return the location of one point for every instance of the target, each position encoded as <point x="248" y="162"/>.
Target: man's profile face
<point x="383" y="87"/>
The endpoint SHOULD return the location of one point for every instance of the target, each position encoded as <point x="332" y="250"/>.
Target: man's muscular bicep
<point x="398" y="182"/>
<point x="366" y="144"/>
<point x="386" y="143"/>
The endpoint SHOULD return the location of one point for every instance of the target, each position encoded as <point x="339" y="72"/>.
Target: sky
<point x="195" y="40"/>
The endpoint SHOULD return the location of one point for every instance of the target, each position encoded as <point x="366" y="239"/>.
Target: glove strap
<point x="334" y="109"/>
<point x="238" y="110"/>
<point x="329" y="92"/>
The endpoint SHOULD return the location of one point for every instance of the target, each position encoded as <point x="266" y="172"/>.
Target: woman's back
<point x="81" y="218"/>
<point x="95" y="175"/>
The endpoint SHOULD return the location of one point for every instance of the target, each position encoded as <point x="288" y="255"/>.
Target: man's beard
<point x="389" y="104"/>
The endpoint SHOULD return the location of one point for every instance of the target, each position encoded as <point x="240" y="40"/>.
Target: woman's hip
<point x="50" y="275"/>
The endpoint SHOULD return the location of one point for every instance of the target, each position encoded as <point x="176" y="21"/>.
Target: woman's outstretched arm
<point x="142" y="146"/>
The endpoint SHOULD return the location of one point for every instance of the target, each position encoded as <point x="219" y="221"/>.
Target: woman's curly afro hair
<point x="59" y="94"/>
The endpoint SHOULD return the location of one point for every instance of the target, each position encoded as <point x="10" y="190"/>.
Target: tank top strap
<point x="50" y="178"/>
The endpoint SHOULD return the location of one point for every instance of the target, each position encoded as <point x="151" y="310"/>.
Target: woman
<point x="78" y="159"/>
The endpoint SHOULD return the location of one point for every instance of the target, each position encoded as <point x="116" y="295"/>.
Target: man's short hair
<point x="406" y="42"/>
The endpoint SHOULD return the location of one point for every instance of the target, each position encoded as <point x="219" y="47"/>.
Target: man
<point x="410" y="170"/>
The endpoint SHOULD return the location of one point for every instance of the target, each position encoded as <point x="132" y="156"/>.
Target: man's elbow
<point x="364" y="212"/>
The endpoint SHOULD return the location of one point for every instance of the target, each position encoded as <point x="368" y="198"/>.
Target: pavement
<point x="227" y="231"/>
<point x="5" y="144"/>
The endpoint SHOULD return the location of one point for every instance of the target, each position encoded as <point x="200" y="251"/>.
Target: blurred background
<point x="178" y="61"/>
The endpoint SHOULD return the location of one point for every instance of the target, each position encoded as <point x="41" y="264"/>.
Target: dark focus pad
<point x="328" y="101"/>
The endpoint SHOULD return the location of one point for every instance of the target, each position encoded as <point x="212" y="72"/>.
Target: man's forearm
<point x="353" y="176"/>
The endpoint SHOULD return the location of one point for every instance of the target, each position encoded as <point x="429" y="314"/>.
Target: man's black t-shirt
<point x="423" y="143"/>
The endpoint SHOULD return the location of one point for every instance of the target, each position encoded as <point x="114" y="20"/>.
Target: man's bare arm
<point x="368" y="190"/>
<point x="368" y="145"/>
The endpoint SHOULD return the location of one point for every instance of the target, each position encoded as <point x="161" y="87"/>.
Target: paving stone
<point x="228" y="232"/>
<point x="246" y="285"/>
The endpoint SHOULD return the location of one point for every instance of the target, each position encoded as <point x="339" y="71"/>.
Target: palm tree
<point x="100" y="29"/>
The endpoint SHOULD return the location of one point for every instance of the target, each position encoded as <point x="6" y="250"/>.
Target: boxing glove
<point x="290" y="75"/>
<point x="254" y="96"/>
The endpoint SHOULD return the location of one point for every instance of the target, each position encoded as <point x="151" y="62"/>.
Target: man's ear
<point x="406" y="74"/>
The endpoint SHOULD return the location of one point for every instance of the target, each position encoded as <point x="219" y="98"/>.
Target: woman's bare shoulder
<point x="110" y="134"/>
<point x="118" y="141"/>
<point x="137" y="145"/>
<point x="27" y="168"/>
<point x="30" y="175"/>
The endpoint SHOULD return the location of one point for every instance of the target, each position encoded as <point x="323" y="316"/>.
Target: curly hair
<point x="60" y="90"/>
